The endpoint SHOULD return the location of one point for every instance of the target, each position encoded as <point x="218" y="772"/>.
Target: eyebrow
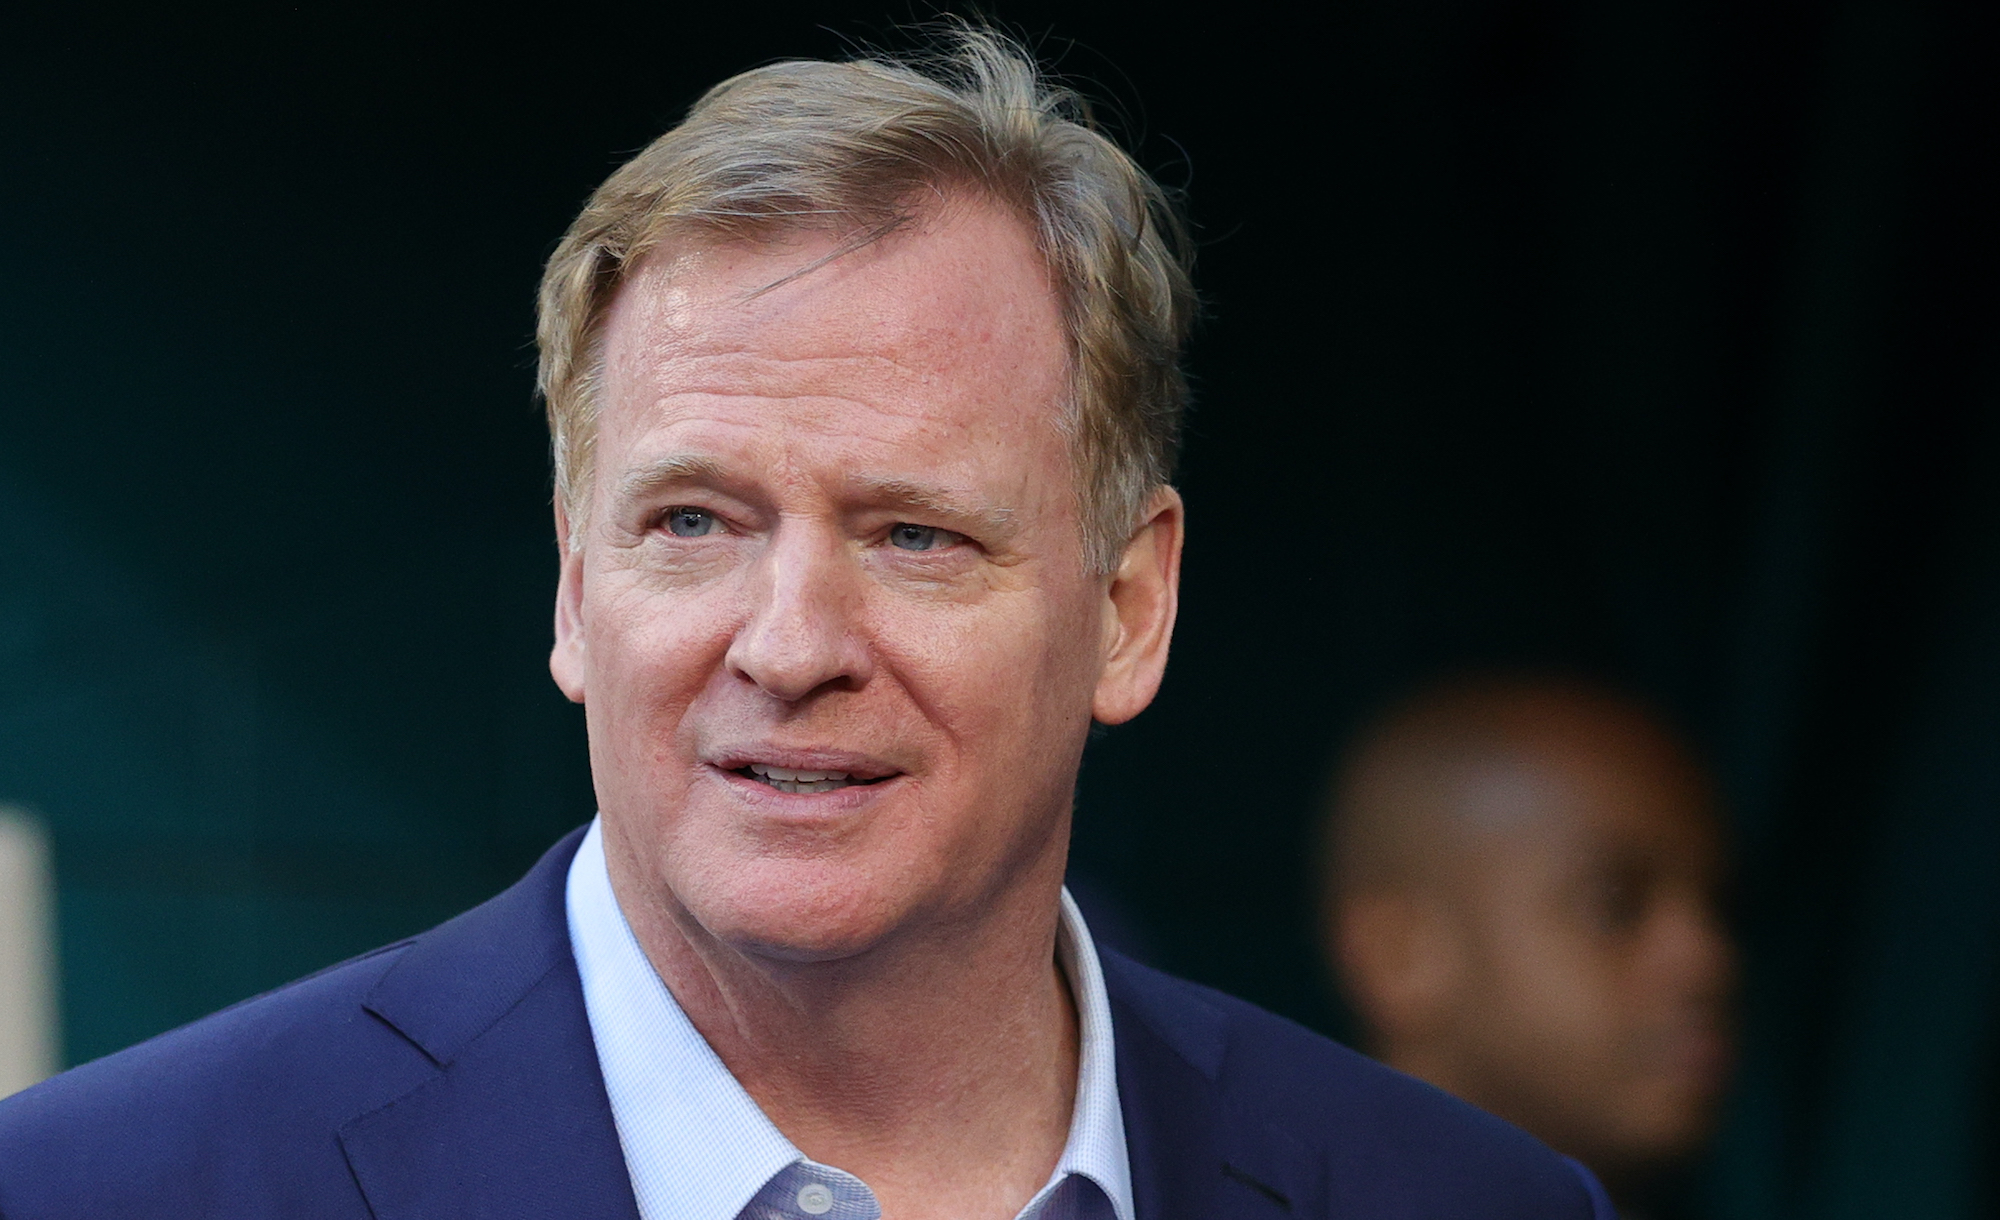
<point x="642" y="481"/>
<point x="991" y="520"/>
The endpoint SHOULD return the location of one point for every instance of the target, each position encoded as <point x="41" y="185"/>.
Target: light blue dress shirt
<point x="698" y="1148"/>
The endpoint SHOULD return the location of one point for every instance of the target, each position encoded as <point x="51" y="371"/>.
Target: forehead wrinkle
<point x="775" y="419"/>
<point x="677" y="328"/>
<point x="658" y="342"/>
<point x="877" y="383"/>
<point x="729" y="353"/>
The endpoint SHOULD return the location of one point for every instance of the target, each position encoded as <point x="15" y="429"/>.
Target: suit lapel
<point x="1195" y="1154"/>
<point x="515" y="1122"/>
<point x="1170" y="1109"/>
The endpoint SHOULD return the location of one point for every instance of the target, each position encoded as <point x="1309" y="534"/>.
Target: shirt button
<point x="815" y="1200"/>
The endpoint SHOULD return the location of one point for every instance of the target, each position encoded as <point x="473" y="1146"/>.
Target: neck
<point x="940" y="1069"/>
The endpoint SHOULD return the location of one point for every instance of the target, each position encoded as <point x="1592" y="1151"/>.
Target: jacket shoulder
<point x="1382" y="1143"/>
<point x="199" y="1113"/>
<point x="240" y="1113"/>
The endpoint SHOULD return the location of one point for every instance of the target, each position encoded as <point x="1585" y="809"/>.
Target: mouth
<point x="803" y="783"/>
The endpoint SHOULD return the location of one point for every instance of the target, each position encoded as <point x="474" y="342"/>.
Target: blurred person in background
<point x="1520" y="904"/>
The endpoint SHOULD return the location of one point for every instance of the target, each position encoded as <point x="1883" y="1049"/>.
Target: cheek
<point x="1563" y="985"/>
<point x="649" y="656"/>
<point x="634" y="617"/>
<point x="1013" y="673"/>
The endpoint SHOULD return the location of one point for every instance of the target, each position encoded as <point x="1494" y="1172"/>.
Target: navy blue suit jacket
<point x="453" y="1075"/>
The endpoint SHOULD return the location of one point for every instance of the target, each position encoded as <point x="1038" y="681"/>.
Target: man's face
<point x="1598" y="977"/>
<point x="831" y="622"/>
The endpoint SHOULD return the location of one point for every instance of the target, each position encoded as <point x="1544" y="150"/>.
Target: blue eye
<point x="685" y="522"/>
<point x="920" y="537"/>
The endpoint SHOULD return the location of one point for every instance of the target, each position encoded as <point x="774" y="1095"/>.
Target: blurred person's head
<point x="1521" y="906"/>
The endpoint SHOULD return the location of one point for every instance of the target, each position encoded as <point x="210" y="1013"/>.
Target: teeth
<point x="803" y="777"/>
<point x="786" y="785"/>
<point x="787" y="779"/>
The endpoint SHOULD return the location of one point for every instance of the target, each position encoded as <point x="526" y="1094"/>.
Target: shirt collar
<point x="1096" y="1145"/>
<point x="664" y="1081"/>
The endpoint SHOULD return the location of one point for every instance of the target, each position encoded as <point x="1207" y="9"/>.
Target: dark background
<point x="1651" y="340"/>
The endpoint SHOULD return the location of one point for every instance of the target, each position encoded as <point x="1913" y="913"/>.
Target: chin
<point x="794" y="911"/>
<point x="1672" y="1129"/>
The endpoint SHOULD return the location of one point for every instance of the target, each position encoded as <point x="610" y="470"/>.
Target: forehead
<point x="1586" y="801"/>
<point x="1518" y="784"/>
<point x="953" y="315"/>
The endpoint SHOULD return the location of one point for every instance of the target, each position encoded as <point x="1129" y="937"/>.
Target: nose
<point x="800" y="636"/>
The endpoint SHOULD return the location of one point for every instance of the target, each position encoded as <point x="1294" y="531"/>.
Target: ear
<point x="1400" y="963"/>
<point x="1140" y="603"/>
<point x="566" y="660"/>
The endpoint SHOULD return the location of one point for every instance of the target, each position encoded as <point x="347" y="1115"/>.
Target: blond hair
<point x="852" y="147"/>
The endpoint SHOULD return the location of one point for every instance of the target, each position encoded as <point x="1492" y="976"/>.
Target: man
<point x="1521" y="905"/>
<point x="864" y="398"/>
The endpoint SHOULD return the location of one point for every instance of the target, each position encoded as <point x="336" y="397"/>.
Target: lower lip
<point x="806" y="804"/>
